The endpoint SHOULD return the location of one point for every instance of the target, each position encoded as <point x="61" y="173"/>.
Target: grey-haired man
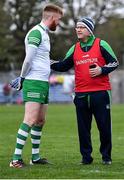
<point x="93" y="59"/>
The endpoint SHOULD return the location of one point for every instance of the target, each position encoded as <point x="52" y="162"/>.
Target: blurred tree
<point x="99" y="10"/>
<point x="113" y="32"/>
<point x="23" y="14"/>
<point x="5" y="23"/>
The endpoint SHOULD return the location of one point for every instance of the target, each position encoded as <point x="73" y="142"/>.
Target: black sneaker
<point x="86" y="162"/>
<point x="107" y="162"/>
<point x="17" y="163"/>
<point x="41" y="161"/>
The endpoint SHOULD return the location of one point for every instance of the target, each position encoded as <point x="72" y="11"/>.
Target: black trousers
<point x="87" y="105"/>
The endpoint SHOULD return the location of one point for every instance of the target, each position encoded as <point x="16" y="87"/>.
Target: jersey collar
<point x="44" y="27"/>
<point x="89" y="41"/>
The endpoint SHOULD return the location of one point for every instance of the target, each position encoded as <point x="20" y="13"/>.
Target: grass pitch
<point x="60" y="146"/>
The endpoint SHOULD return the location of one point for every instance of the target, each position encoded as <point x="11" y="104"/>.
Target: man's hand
<point x="17" y="83"/>
<point x="96" y="71"/>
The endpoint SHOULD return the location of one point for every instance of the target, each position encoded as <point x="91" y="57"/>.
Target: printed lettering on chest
<point x="86" y="60"/>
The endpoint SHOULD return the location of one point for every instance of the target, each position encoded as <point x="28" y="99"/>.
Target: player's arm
<point x="66" y="64"/>
<point x="110" y="58"/>
<point x="34" y="39"/>
<point x="31" y="52"/>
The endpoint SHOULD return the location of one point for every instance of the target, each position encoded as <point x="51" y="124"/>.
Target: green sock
<point x="20" y="141"/>
<point x="35" y="139"/>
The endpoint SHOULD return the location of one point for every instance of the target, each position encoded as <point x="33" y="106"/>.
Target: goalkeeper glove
<point x="17" y="83"/>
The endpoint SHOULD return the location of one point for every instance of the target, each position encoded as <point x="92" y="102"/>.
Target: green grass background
<point x="60" y="145"/>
